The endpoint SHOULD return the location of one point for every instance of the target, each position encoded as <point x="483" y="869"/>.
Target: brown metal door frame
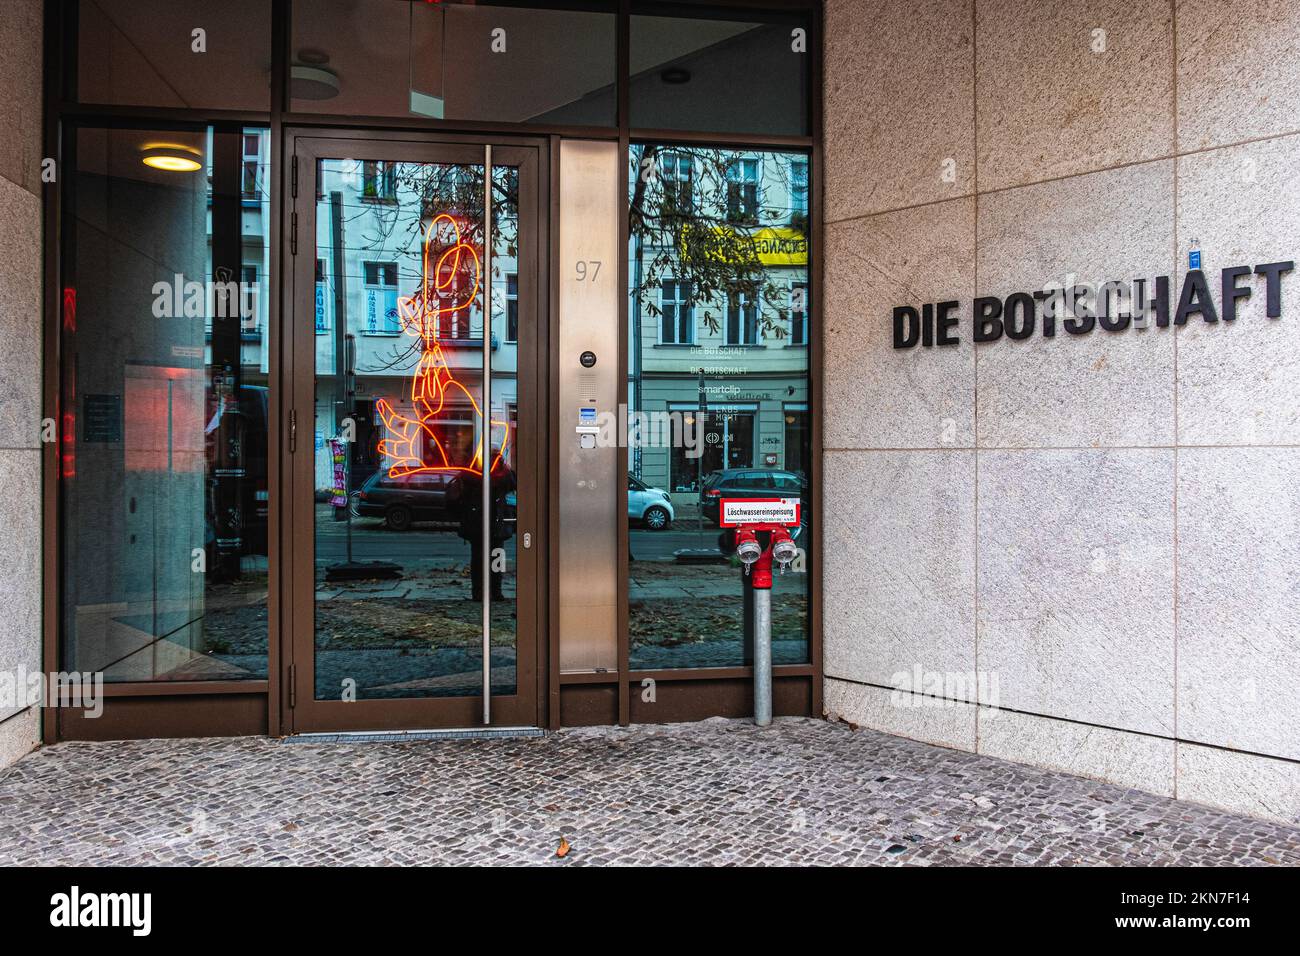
<point x="301" y="712"/>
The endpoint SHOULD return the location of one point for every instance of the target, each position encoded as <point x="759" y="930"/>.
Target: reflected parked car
<point x="751" y="483"/>
<point x="650" y="506"/>
<point x="423" y="496"/>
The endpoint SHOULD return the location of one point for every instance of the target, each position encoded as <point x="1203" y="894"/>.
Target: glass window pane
<point x="180" y="53"/>
<point x="726" y="76"/>
<point x="164" y="479"/>
<point x="454" y="61"/>
<point x="401" y="433"/>
<point x="725" y="416"/>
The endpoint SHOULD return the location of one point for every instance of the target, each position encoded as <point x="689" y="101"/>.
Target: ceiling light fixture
<point x="312" y="82"/>
<point x="171" y="157"/>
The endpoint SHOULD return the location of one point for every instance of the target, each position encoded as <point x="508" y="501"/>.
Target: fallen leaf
<point x="563" y="849"/>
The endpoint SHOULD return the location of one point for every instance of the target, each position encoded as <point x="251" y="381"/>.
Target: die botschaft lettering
<point x="1079" y="309"/>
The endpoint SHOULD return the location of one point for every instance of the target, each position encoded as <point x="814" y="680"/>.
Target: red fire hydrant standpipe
<point x="757" y="556"/>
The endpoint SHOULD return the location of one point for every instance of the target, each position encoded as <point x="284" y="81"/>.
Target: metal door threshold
<point x="400" y="736"/>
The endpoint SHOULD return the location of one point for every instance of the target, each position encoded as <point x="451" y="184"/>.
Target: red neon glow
<point x="69" y="437"/>
<point x="68" y="424"/>
<point x="421" y="315"/>
<point x="70" y="309"/>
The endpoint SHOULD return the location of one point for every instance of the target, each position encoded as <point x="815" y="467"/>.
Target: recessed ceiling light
<point x="675" y="75"/>
<point x="171" y="157"/>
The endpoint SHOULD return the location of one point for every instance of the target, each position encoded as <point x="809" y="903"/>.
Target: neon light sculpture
<point x="421" y="315"/>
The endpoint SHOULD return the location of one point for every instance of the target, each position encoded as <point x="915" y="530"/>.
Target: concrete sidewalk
<point x="718" y="792"/>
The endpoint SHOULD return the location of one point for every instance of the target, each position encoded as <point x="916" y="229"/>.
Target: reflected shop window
<point x="718" y="394"/>
<point x="164" y="491"/>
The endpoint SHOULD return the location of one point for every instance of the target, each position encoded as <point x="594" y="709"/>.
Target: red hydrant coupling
<point x="758" y="559"/>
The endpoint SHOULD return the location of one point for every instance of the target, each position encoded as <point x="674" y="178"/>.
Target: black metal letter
<point x="1232" y="292"/>
<point x="907" y="327"/>
<point x="946" y="320"/>
<point x="1195" y="298"/>
<point x="987" y="319"/>
<point x="1272" y="271"/>
<point x="1024" y="302"/>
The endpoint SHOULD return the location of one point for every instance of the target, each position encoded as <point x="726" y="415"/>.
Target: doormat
<point x="401" y="736"/>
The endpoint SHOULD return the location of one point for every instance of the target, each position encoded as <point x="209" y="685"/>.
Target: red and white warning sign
<point x="734" y="512"/>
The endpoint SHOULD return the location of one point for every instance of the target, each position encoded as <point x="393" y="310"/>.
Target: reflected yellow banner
<point x="772" y="245"/>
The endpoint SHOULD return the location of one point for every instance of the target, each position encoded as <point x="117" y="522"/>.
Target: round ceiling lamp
<point x="312" y="82"/>
<point x="171" y="157"/>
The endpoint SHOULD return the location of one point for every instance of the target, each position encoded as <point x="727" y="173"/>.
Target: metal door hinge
<point x="293" y="430"/>
<point x="294" y="180"/>
<point x="293" y="235"/>
<point x="293" y="686"/>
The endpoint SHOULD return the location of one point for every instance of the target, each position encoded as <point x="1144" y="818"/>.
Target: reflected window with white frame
<point x="381" y="298"/>
<point x="379" y="180"/>
<point x="742" y="190"/>
<point x="677" y="171"/>
<point x="741" y="326"/>
<point x="798" y="188"/>
<point x="251" y="175"/>
<point x="677" y="314"/>
<point x="798" y="313"/>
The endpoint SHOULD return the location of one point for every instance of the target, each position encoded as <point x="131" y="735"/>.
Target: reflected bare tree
<point x="692" y="216"/>
<point x="396" y="203"/>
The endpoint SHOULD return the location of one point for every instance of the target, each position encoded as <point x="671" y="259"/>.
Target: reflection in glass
<point x="718" y="340"/>
<point x="401" y="435"/>
<point x="181" y="53"/>
<point x="451" y="60"/>
<point x="163" y="439"/>
<point x="722" y="76"/>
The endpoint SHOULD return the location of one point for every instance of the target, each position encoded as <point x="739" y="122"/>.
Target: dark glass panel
<point x="454" y="61"/>
<point x="725" y="76"/>
<point x="180" y="53"/>
<point x="164" y="474"/>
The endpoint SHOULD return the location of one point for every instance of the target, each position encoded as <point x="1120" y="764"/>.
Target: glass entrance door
<point x="412" y="434"/>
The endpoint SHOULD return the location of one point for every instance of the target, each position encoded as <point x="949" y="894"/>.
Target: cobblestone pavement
<point x="801" y="792"/>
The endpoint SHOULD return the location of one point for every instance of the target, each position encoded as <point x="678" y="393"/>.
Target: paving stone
<point x="717" y="792"/>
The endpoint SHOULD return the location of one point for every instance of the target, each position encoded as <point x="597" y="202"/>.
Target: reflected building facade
<point x="718" y="339"/>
